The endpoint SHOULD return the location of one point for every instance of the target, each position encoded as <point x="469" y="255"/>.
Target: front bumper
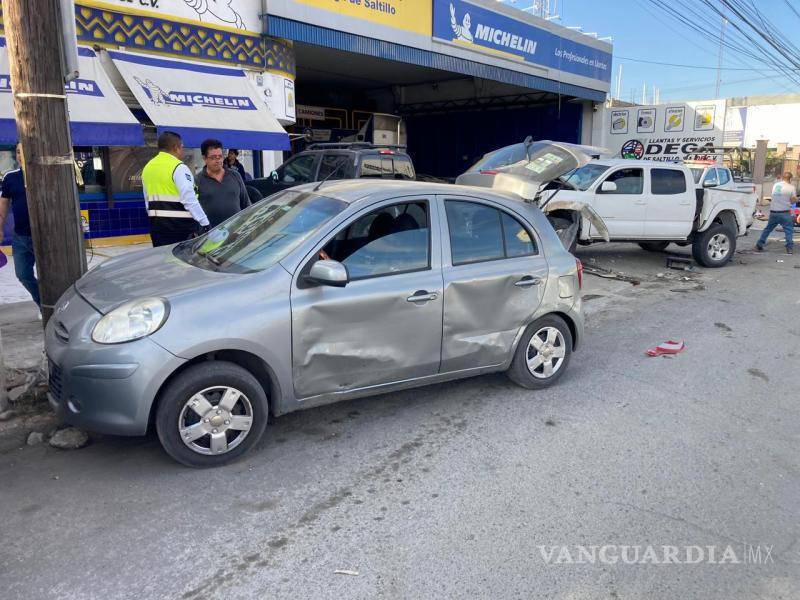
<point x="99" y="387"/>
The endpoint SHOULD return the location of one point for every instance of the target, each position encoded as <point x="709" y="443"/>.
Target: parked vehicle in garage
<point x="338" y="161"/>
<point x="650" y="203"/>
<point x="317" y="294"/>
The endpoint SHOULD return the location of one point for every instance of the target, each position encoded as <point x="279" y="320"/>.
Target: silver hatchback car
<point x="314" y="295"/>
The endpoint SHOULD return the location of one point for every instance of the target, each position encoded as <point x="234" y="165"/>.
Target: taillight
<point x="579" y="266"/>
<point x="489" y="171"/>
<point x="385" y="152"/>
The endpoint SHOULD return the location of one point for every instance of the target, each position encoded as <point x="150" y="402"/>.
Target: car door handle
<point x="640" y="202"/>
<point x="528" y="281"/>
<point x="422" y="296"/>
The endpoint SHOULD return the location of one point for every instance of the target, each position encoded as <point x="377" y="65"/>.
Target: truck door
<point x="621" y="204"/>
<point x="670" y="204"/>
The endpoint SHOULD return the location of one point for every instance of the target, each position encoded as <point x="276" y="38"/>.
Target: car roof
<point x="354" y="191"/>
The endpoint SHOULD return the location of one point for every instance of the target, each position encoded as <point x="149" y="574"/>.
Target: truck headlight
<point x="131" y="321"/>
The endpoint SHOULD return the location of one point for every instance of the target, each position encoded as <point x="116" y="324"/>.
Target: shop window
<point x="90" y="170"/>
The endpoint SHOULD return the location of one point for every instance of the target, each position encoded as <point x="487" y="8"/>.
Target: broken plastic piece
<point x="669" y="347"/>
<point x="345" y="572"/>
<point x="680" y="263"/>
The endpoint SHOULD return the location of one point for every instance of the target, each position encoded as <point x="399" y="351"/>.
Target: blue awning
<point x="200" y="101"/>
<point x="97" y="115"/>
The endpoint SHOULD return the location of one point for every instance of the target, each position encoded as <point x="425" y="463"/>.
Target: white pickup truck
<point x="654" y="204"/>
<point x="588" y="198"/>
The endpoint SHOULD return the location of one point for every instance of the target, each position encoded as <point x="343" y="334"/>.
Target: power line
<point x="666" y="64"/>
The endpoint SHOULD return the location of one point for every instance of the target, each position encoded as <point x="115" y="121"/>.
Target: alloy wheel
<point x="215" y="420"/>
<point x="546" y="352"/>
<point x="718" y="246"/>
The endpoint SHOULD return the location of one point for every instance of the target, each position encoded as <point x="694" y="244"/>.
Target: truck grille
<point x="54" y="379"/>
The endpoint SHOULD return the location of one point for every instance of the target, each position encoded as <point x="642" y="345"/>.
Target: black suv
<point x="337" y="161"/>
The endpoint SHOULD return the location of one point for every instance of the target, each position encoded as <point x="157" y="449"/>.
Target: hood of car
<point x="150" y="273"/>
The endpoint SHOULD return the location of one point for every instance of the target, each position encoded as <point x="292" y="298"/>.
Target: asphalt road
<point x="450" y="491"/>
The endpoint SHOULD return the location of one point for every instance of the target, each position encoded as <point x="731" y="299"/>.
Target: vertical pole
<point x="719" y="54"/>
<point x="619" y="83"/>
<point x="40" y="105"/>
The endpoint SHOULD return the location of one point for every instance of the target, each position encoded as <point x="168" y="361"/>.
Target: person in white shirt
<point x="783" y="194"/>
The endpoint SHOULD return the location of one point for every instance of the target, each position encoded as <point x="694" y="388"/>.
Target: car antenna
<point x="332" y="173"/>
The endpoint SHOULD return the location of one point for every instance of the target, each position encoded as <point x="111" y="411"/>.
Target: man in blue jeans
<point x="13" y="194"/>
<point x="783" y="194"/>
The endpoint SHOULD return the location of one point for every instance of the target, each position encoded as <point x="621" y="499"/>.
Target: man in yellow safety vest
<point x="170" y="195"/>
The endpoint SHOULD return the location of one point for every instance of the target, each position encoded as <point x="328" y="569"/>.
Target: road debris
<point x="345" y="572"/>
<point x="69" y="439"/>
<point x="680" y="263"/>
<point x="609" y="274"/>
<point x="670" y="347"/>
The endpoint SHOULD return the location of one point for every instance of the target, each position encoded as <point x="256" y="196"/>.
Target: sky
<point x="637" y="33"/>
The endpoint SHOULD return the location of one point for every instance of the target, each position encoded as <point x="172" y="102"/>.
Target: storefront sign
<point x="483" y="30"/>
<point x="232" y="14"/>
<point x="278" y="92"/>
<point x="735" y="123"/>
<point x="691" y="131"/>
<point x="312" y="113"/>
<point x="413" y="16"/>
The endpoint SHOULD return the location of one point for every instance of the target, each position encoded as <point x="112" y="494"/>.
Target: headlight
<point x="131" y="321"/>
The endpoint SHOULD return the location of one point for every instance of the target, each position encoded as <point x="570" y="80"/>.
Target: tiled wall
<point x="128" y="217"/>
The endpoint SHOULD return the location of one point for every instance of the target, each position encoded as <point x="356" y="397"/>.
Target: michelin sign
<point x="483" y="30"/>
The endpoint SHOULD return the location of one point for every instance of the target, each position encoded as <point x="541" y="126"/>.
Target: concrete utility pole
<point x="40" y="105"/>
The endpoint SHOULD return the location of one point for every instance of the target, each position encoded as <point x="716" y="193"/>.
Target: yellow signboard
<point x="414" y="16"/>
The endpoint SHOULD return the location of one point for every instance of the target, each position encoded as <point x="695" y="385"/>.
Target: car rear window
<point x="388" y="166"/>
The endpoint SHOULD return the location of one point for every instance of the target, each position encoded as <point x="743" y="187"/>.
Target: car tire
<point x="211" y="404"/>
<point x="715" y="246"/>
<point x="654" y="246"/>
<point x="529" y="366"/>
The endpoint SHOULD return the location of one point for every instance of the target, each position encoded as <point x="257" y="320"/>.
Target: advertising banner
<point x="229" y="14"/>
<point x="483" y="30"/>
<point x="666" y="132"/>
<point x="413" y="16"/>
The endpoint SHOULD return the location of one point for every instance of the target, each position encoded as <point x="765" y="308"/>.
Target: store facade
<point x="196" y="68"/>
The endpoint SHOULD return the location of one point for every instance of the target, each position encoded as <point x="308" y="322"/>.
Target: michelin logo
<point x="491" y="35"/>
<point x="80" y="87"/>
<point x="160" y="97"/>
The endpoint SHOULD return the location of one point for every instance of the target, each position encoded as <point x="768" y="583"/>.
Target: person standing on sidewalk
<point x="783" y="194"/>
<point x="232" y="162"/>
<point x="170" y="196"/>
<point x="13" y="194"/>
<point x="220" y="188"/>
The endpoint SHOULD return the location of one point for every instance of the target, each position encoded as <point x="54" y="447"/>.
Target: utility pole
<point x="32" y="29"/>
<point x="619" y="83"/>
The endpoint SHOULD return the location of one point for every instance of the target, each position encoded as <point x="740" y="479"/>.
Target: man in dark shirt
<point x="13" y="194"/>
<point x="232" y="162"/>
<point x="220" y="189"/>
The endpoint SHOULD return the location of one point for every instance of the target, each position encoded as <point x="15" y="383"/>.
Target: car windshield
<point x="543" y="161"/>
<point x="583" y="177"/>
<point x="261" y="235"/>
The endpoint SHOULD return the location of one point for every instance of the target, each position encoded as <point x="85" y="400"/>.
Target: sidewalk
<point x="23" y="347"/>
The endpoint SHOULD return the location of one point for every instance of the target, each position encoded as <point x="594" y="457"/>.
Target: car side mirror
<point x="608" y="186"/>
<point x="709" y="183"/>
<point x="274" y="176"/>
<point x="328" y="272"/>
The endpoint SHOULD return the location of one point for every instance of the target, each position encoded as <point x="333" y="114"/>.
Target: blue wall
<point x="438" y="143"/>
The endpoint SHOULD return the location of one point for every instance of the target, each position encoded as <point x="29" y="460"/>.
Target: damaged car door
<point x="494" y="280"/>
<point x="385" y="324"/>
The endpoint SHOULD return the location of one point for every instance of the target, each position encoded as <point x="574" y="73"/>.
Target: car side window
<point x="667" y="181"/>
<point x="711" y="178"/>
<point x="393" y="239"/>
<point x="480" y="233"/>
<point x="723" y="176"/>
<point x="629" y="181"/>
<point x="298" y="170"/>
<point x="335" y="166"/>
<point x="517" y="239"/>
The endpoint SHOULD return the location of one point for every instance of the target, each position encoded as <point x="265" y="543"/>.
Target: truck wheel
<point x="715" y="246"/>
<point x="654" y="246"/>
<point x="543" y="353"/>
<point x="211" y="414"/>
